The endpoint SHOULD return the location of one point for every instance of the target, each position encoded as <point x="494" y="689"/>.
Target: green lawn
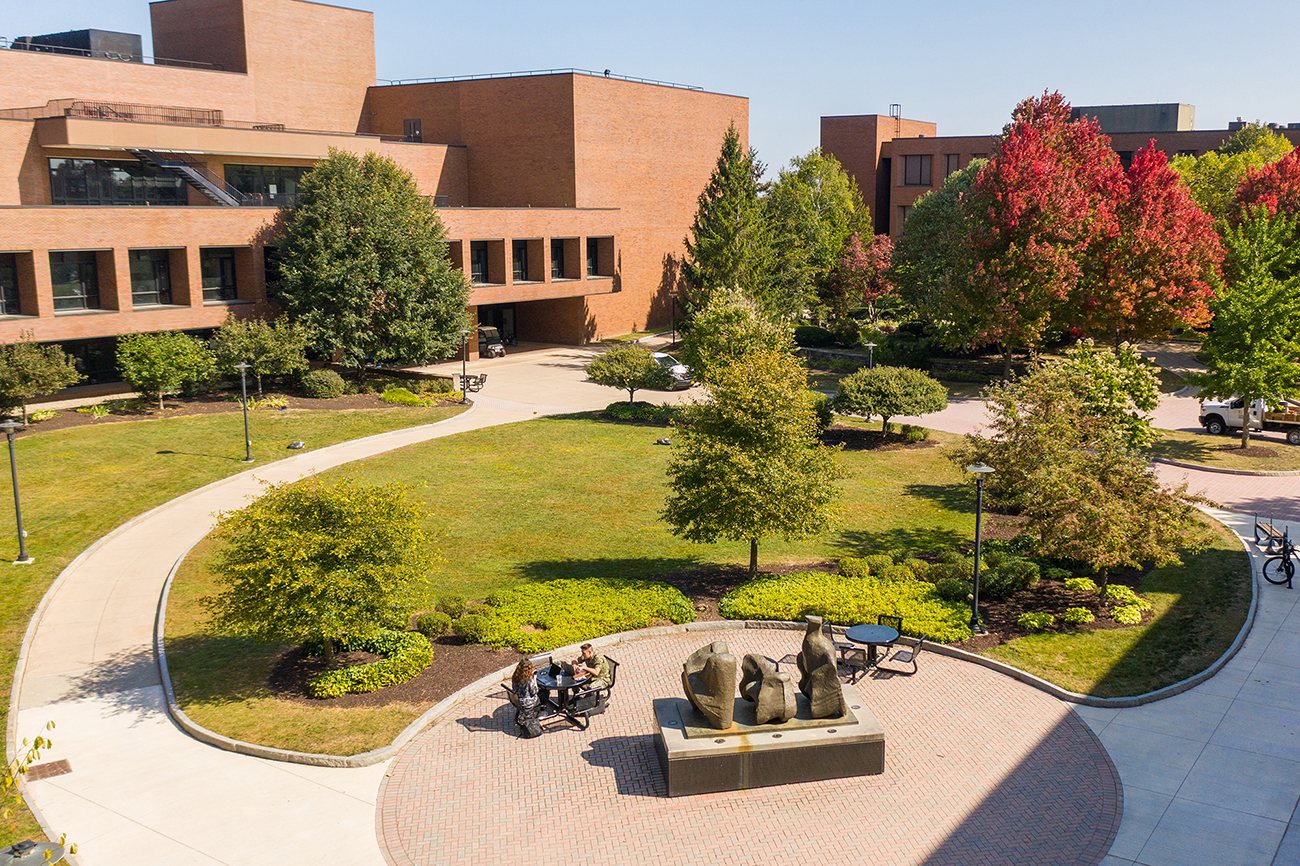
<point x="78" y="484"/>
<point x="1198" y="609"/>
<point x="1225" y="451"/>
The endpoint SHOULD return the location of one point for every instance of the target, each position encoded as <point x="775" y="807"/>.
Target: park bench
<point x="1268" y="531"/>
<point x="473" y="384"/>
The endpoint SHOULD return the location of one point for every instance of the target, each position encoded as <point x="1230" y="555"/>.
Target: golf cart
<point x="490" y="344"/>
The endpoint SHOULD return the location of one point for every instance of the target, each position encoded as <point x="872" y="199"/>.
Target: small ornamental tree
<point x="748" y="463"/>
<point x="278" y="349"/>
<point x="728" y="326"/>
<point x="1114" y="384"/>
<point x="316" y="562"/>
<point x="860" y="276"/>
<point x="28" y="369"/>
<point x="889" y="391"/>
<point x="631" y="369"/>
<point x="163" y="363"/>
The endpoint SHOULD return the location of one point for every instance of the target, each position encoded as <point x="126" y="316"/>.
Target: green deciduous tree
<point x="729" y="325"/>
<point x="163" y="363"/>
<point x="1114" y="384"/>
<point x="278" y="349"/>
<point x="631" y="369"/>
<point x="364" y="268"/>
<point x="28" y="369"/>
<point x="889" y="391"/>
<point x="317" y="562"/>
<point x="747" y="464"/>
<point x="1213" y="178"/>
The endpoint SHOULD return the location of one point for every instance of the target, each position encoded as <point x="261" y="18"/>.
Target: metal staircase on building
<point x="194" y="174"/>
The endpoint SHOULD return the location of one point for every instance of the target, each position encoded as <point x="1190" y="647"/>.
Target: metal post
<point x="242" y="367"/>
<point x="10" y="426"/>
<point x="980" y="471"/>
<point x="871" y="355"/>
<point x="464" y="361"/>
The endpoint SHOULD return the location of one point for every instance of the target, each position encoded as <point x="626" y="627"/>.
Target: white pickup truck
<point x="1218" y="416"/>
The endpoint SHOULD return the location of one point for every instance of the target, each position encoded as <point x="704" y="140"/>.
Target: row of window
<point x="917" y="167"/>
<point x="482" y="272"/>
<point x="74" y="276"/>
<point x="130" y="182"/>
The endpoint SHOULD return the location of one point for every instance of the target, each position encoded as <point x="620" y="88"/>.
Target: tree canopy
<point x="889" y="391"/>
<point x="1212" y="179"/>
<point x="364" y="266"/>
<point x="163" y="363"/>
<point x="278" y="349"/>
<point x="729" y="326"/>
<point x="629" y="368"/>
<point x="29" y="369"/>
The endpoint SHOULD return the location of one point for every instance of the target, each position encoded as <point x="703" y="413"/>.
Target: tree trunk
<point x="161" y="407"/>
<point x="1245" y="427"/>
<point x="259" y="382"/>
<point x="753" y="558"/>
<point x="24" y="411"/>
<point x="1104" y="574"/>
<point x="327" y="651"/>
<point x="1006" y="361"/>
<point x="631" y="393"/>
<point x="884" y="424"/>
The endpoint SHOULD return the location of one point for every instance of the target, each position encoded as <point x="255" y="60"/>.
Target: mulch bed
<point x="1249" y="451"/>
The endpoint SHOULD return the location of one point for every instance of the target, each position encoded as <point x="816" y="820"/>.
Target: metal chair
<point x="905" y="656"/>
<point x="592" y="702"/>
<point x="894" y="622"/>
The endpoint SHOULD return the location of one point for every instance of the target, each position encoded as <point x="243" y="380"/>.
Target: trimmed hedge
<point x="406" y="654"/>
<point x="848" y="600"/>
<point x="813" y="337"/>
<point x="433" y="624"/>
<point x="322" y="384"/>
<point x="452" y="605"/>
<point x="560" y="612"/>
<point x="641" y="411"/>
<point x="404" y="397"/>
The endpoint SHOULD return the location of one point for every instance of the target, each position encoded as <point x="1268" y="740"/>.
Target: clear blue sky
<point x="963" y="64"/>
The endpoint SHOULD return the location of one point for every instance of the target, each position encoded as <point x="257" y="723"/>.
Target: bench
<point x="473" y="384"/>
<point x="1269" y="531"/>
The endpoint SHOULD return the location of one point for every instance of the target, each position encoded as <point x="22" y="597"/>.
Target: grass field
<point x="1225" y="451"/>
<point x="78" y="484"/>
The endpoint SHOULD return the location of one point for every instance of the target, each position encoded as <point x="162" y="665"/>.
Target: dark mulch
<point x="855" y="438"/>
<point x="1250" y="451"/>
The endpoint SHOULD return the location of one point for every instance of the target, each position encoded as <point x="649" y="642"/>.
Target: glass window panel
<point x="150" y="277"/>
<point x="519" y="252"/>
<point x="218" y="269"/>
<point x="75" y="280"/>
<point x="112" y="182"/>
<point x="9" y="285"/>
<point x="557" y="259"/>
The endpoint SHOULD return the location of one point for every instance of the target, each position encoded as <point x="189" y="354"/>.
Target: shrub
<point x="472" y="627"/>
<point x="949" y="557"/>
<point x="1127" y="614"/>
<point x="452" y="605"/>
<point x="272" y="402"/>
<point x="42" y="415"/>
<point x="851" y="566"/>
<point x="1022" y="544"/>
<point x="848" y="332"/>
<point x="1120" y="595"/>
<point x="1075" y="584"/>
<point x="825" y="415"/>
<point x="640" y="411"/>
<point x="995" y="557"/>
<point x="1054" y="573"/>
<point x="878" y="562"/>
<point x="813" y="337"/>
<point x="919" y="567"/>
<point x="1035" y="621"/>
<point x="406" y="653"/>
<point x="913" y="434"/>
<point x="1077" y="616"/>
<point x="433" y="624"/>
<point x="322" y="384"/>
<point x="896" y="572"/>
<point x="847" y="601"/>
<point x="559" y="612"/>
<point x="403" y="397"/>
<point x="954" y="589"/>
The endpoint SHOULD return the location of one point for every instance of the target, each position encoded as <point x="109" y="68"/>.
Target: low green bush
<point x="433" y="624"/>
<point x="1119" y="595"/>
<point x="847" y="601"/>
<point x="1127" y="614"/>
<point x="994" y="558"/>
<point x="896" y="572"/>
<point x="1036" y="620"/>
<point x="1077" y="616"/>
<point x="848" y="332"/>
<point x="1054" y="573"/>
<point x="949" y="557"/>
<point x="919" y="567"/>
<point x="852" y="566"/>
<point x="472" y="627"/>
<point x="405" y="653"/>
<point x="537" y="617"/>
<point x="640" y="411"/>
<point x="954" y="589"/>
<point x="878" y="562"/>
<point x="42" y="415"/>
<point x="1022" y="544"/>
<point x="813" y="337"/>
<point x="403" y="397"/>
<point x="322" y="384"/>
<point x="452" y="605"/>
<point x="825" y="415"/>
<point x="1076" y="584"/>
<point x="913" y="434"/>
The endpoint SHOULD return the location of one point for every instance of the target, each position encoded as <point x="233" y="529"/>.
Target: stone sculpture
<point x="819" y="678"/>
<point x="709" y="678"/>
<point x="771" y="691"/>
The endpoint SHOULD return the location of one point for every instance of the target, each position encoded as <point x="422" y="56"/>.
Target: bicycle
<point x="1280" y="569"/>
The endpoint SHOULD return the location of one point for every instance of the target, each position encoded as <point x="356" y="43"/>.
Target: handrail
<point x="38" y="48"/>
<point x="395" y="82"/>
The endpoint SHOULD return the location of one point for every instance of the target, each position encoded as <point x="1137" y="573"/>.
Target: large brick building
<point x="895" y="161"/>
<point x="142" y="196"/>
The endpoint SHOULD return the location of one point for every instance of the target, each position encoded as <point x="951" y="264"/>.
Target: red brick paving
<point x="979" y="769"/>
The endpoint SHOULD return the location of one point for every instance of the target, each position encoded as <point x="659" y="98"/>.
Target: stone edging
<point x="1219" y="470"/>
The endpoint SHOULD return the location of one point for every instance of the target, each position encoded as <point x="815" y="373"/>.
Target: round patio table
<point x="870" y="636"/>
<point x="563" y="686"/>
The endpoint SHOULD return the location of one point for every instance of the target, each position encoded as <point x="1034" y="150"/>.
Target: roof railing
<point x="534" y="72"/>
<point x="38" y="48"/>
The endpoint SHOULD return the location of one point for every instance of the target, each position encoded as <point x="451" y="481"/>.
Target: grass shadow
<point x="1180" y="449"/>
<point x="213" y="669"/>
<point x="951" y="497"/>
<point x="864" y="542"/>
<point x="631" y="568"/>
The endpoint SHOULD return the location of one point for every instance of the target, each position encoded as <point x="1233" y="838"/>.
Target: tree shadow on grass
<point x="864" y="542"/>
<point x="207" y="668"/>
<point x="1177" y="449"/>
<point x="631" y="568"/>
<point x="952" y="497"/>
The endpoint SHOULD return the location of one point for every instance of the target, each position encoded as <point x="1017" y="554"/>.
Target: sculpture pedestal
<point x="746" y="756"/>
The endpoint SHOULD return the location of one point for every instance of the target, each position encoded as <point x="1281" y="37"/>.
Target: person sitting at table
<point x="594" y="665"/>
<point x="524" y="684"/>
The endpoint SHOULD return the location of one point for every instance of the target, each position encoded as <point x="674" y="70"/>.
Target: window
<point x="478" y="262"/>
<point x="113" y="182"/>
<point x="76" y="281"/>
<point x="519" y="253"/>
<point x="903" y="212"/>
<point x="1125" y="158"/>
<point x="979" y="156"/>
<point x="274" y="185"/>
<point x="218" y="268"/>
<point x="1187" y="153"/>
<point x="557" y="259"/>
<point x="953" y="161"/>
<point x="593" y="256"/>
<point x="271" y="271"/>
<point x="412" y="131"/>
<point x="916" y="170"/>
<point x="151" y="279"/>
<point x="9" y="285"/>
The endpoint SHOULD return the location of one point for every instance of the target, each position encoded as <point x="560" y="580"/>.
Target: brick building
<point x="895" y="161"/>
<point x="141" y="194"/>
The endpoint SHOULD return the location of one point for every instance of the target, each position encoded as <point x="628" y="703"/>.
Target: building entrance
<point x="501" y="317"/>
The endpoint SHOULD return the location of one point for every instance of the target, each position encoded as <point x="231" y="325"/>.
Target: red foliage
<point x="860" y="274"/>
<point x="1276" y="186"/>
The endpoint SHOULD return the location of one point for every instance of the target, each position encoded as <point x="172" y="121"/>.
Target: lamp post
<point x="11" y="427"/>
<point x="871" y="354"/>
<point x="980" y="470"/>
<point x="464" y="362"/>
<point x="243" y="369"/>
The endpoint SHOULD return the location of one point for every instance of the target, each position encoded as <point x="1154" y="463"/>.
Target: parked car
<point x="680" y="372"/>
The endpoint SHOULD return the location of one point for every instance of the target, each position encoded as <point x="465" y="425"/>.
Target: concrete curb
<point x="1218" y="470"/>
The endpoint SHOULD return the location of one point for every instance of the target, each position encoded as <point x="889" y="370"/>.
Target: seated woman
<point x="524" y="683"/>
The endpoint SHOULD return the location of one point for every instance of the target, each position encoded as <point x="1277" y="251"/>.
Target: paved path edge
<point x="1201" y="467"/>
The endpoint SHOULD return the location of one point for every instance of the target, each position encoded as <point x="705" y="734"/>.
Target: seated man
<point x="594" y="665"/>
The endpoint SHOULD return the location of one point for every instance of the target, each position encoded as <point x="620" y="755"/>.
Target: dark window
<point x="96" y="359"/>
<point x="271" y="271"/>
<point x="274" y="185"/>
<point x="76" y="281"/>
<point x="478" y="262"/>
<point x="411" y="130"/>
<point x="916" y="170"/>
<point x="151" y="278"/>
<point x="519" y="252"/>
<point x="1187" y="153"/>
<point x="975" y="156"/>
<point x="218" y="267"/>
<point x="954" y="163"/>
<point x="113" y="182"/>
<point x="9" y="285"/>
<point x="557" y="259"/>
<point x="903" y="212"/>
<point x="593" y="256"/>
<point x="1125" y="158"/>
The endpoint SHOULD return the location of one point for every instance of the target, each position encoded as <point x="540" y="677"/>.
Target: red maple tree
<point x="861" y="274"/>
<point x="1276" y="187"/>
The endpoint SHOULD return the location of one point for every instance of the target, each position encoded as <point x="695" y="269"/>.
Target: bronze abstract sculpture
<point x="709" y="678"/>
<point x="819" y="678"/>
<point x="771" y="691"/>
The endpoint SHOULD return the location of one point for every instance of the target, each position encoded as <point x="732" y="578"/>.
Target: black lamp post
<point x="464" y="361"/>
<point x="243" y="369"/>
<point x="980" y="470"/>
<point x="871" y="355"/>
<point x="11" y="427"/>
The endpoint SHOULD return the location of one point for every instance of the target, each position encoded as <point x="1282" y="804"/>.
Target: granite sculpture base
<point x="701" y="760"/>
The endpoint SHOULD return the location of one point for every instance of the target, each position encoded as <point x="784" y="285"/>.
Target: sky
<point x="963" y="65"/>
